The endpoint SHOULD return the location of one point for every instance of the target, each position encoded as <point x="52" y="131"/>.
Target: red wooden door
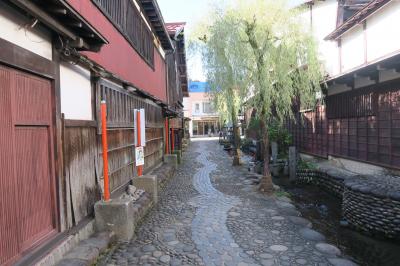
<point x="27" y="194"/>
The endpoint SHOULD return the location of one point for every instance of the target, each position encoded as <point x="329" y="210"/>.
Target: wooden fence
<point x="362" y="125"/>
<point x="83" y="165"/>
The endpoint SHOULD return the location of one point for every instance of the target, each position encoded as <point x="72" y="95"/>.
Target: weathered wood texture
<point x="83" y="165"/>
<point x="80" y="158"/>
<point x="363" y="126"/>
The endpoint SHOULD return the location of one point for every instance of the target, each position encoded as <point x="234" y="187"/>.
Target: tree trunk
<point x="266" y="184"/>
<point x="236" y="142"/>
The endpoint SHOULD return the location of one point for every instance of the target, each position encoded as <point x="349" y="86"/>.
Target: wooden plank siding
<point x="362" y="125"/>
<point x="83" y="151"/>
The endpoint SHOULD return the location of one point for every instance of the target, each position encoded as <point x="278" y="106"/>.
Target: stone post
<point x="116" y="216"/>
<point x="149" y="184"/>
<point x="274" y="151"/>
<point x="171" y="159"/>
<point x="292" y="162"/>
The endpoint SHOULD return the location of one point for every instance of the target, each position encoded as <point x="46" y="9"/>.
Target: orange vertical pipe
<point x="105" y="149"/>
<point x="139" y="140"/>
<point x="166" y="136"/>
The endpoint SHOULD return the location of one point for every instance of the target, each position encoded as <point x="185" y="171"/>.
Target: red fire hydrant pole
<point x="105" y="149"/>
<point x="139" y="140"/>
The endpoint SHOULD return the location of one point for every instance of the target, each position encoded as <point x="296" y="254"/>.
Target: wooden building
<point x="359" y="120"/>
<point x="58" y="60"/>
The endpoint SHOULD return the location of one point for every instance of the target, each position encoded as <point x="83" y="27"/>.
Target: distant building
<point x="199" y="108"/>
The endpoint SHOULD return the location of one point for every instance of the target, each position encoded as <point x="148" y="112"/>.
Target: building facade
<point x="358" y="120"/>
<point x="58" y="61"/>
<point x="199" y="108"/>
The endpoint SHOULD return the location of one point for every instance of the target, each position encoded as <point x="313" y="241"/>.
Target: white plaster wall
<point x="324" y="15"/>
<point x="76" y="92"/>
<point x="353" y="48"/>
<point x="383" y="31"/>
<point x="15" y="28"/>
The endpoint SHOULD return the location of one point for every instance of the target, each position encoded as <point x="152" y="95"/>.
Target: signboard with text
<point x="139" y="155"/>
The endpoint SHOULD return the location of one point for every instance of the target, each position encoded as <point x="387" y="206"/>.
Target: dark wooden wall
<point x="361" y="125"/>
<point x="309" y="132"/>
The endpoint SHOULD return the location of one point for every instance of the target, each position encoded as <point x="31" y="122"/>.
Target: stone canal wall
<point x="369" y="203"/>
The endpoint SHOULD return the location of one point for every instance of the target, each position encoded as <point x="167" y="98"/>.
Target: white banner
<point x="142" y="127"/>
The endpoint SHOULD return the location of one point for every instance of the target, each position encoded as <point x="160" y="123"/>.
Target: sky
<point x="191" y="12"/>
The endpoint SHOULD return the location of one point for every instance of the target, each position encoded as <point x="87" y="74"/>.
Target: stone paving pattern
<point x="212" y="214"/>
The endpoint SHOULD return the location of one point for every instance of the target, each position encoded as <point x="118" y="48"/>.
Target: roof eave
<point x="82" y="35"/>
<point x="153" y="13"/>
<point x="356" y="19"/>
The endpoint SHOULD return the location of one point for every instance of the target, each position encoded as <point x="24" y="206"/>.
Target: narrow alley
<point x="211" y="214"/>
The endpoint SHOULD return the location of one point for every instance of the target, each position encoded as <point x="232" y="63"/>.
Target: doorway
<point x="27" y="180"/>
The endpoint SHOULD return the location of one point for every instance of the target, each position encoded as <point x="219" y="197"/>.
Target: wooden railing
<point x="125" y="16"/>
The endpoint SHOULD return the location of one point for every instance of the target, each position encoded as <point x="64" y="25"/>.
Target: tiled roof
<point x="174" y="26"/>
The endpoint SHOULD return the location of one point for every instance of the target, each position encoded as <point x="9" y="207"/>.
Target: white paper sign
<point x="139" y="155"/>
<point x="142" y="127"/>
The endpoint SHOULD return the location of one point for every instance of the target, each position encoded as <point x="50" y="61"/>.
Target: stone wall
<point x="369" y="203"/>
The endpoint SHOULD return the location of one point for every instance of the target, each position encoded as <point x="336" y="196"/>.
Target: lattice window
<point x="120" y="106"/>
<point x="126" y="18"/>
<point x="351" y="104"/>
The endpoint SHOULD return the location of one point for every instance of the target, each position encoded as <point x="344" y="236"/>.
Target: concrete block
<point x="171" y="159"/>
<point x="149" y="184"/>
<point x="116" y="216"/>
<point x="179" y="155"/>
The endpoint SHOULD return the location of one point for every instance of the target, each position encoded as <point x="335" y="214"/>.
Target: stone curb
<point x="88" y="250"/>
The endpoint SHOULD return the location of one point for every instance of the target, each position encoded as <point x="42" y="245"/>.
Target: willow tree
<point x="263" y="46"/>
<point x="224" y="69"/>
<point x="283" y="64"/>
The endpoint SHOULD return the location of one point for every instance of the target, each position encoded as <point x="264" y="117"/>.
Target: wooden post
<point x="292" y="163"/>
<point x="105" y="149"/>
<point x="172" y="140"/>
<point x="139" y="140"/>
<point x="166" y="136"/>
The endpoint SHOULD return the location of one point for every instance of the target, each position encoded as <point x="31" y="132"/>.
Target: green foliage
<point x="306" y="165"/>
<point x="280" y="135"/>
<point x="254" y="123"/>
<point x="282" y="193"/>
<point x="259" y="52"/>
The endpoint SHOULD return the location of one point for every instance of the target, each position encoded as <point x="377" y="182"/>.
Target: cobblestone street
<point x="211" y="213"/>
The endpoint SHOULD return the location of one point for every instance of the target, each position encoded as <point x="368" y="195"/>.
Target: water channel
<point x="324" y="211"/>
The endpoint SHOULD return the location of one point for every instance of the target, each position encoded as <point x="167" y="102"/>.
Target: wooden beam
<point x="44" y="17"/>
<point x="21" y="58"/>
<point x="58" y="11"/>
<point x="75" y="24"/>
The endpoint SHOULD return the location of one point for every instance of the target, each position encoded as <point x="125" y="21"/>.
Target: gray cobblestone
<point x="211" y="214"/>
